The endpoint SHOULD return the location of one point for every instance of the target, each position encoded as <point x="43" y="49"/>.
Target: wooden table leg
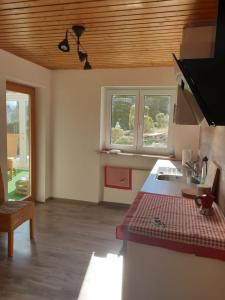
<point x="10" y="243"/>
<point x="32" y="229"/>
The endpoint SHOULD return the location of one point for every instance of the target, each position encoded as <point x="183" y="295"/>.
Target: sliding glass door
<point x="20" y="141"/>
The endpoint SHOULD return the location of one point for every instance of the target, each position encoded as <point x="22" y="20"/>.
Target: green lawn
<point x="12" y="195"/>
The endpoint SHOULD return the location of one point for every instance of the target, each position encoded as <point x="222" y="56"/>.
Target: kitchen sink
<point x="173" y="174"/>
<point x="168" y="177"/>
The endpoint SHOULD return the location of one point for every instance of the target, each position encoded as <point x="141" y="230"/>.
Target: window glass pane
<point x="123" y="119"/>
<point x="156" y="121"/>
<point x="18" y="145"/>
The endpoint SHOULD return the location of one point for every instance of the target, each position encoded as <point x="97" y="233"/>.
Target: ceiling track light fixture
<point x="64" y="45"/>
<point x="77" y="31"/>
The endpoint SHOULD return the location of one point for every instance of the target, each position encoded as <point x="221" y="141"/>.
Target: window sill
<point x="129" y="154"/>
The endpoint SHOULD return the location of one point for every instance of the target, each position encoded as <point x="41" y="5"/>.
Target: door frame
<point x="20" y="88"/>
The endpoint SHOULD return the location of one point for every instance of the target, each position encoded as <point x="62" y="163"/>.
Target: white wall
<point x="198" y="42"/>
<point x="76" y="172"/>
<point x="68" y="128"/>
<point x="21" y="71"/>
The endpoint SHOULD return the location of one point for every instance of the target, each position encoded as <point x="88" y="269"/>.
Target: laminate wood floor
<point x="54" y="266"/>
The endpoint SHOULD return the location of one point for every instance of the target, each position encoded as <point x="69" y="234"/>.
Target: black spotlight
<point x="87" y="65"/>
<point x="77" y="31"/>
<point x="82" y="55"/>
<point x="64" y="45"/>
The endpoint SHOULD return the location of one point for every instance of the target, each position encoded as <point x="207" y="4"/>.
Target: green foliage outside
<point x="12" y="116"/>
<point x="155" y="119"/>
<point x="125" y="140"/>
<point x="148" y="124"/>
<point x="156" y="105"/>
<point x="121" y="111"/>
<point x="132" y="117"/>
<point x="162" y="120"/>
<point x="13" y="127"/>
<point x="117" y="133"/>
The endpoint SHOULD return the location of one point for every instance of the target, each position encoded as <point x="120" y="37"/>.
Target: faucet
<point x="193" y="168"/>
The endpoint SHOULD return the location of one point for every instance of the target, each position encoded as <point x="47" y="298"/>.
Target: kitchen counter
<point x="163" y="187"/>
<point x="152" y="269"/>
<point x="174" y="223"/>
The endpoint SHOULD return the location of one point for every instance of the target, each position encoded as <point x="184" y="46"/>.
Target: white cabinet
<point x="153" y="273"/>
<point x="124" y="196"/>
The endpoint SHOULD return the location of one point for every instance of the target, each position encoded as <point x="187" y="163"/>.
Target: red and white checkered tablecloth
<point x="174" y="223"/>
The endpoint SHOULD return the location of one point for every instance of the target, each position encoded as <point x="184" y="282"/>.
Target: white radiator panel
<point x="126" y="196"/>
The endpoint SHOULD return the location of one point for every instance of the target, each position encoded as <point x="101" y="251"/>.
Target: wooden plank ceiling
<point x="119" y="33"/>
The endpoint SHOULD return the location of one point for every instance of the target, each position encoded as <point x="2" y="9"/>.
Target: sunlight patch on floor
<point x="103" y="279"/>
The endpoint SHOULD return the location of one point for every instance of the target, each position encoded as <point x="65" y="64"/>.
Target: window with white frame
<point x="140" y="119"/>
